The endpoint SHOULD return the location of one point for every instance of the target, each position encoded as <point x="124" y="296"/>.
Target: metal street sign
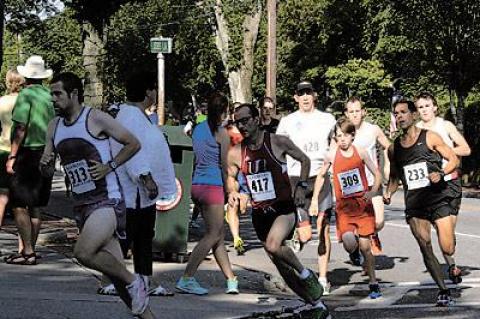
<point x="160" y="45"/>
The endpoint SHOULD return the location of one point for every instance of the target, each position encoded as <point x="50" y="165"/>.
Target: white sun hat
<point x="34" y="68"/>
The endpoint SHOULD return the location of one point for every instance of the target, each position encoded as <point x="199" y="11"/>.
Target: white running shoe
<point x="139" y="295"/>
<point x="326" y="286"/>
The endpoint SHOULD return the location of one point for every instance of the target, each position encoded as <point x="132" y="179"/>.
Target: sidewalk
<point x="58" y="287"/>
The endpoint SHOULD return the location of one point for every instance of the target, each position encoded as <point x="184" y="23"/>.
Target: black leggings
<point x="140" y="232"/>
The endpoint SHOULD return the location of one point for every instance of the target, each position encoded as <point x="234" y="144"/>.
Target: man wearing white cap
<point x="28" y="188"/>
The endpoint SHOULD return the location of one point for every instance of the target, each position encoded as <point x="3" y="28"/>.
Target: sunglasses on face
<point x="243" y="121"/>
<point x="305" y="91"/>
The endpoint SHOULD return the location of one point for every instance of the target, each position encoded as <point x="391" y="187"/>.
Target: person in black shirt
<point x="416" y="159"/>
<point x="268" y="122"/>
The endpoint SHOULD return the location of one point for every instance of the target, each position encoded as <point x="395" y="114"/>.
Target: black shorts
<point x="325" y="198"/>
<point x="432" y="212"/>
<point x="28" y="188"/>
<point x="263" y="218"/>
<point x="455" y="203"/>
<point x="455" y="192"/>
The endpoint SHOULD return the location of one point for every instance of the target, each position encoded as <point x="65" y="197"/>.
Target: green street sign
<point x="160" y="45"/>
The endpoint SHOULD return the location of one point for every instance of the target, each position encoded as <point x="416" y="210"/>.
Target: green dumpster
<point x="171" y="227"/>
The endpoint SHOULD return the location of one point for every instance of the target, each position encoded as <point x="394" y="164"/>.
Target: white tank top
<point x="77" y="147"/>
<point x="366" y="138"/>
<point x="440" y="128"/>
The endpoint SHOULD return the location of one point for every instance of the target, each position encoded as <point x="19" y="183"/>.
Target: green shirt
<point x="34" y="109"/>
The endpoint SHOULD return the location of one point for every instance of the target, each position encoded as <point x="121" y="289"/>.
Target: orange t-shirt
<point x="350" y="183"/>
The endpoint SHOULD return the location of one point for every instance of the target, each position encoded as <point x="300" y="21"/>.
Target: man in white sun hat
<point x="29" y="189"/>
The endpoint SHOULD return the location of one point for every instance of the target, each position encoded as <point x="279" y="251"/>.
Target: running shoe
<point x="238" y="244"/>
<point x="325" y="285"/>
<point x="190" y="285"/>
<point x="312" y="286"/>
<point x="455" y="274"/>
<point x="139" y="295"/>
<point x="318" y="311"/>
<point x="356" y="257"/>
<point x="374" y="291"/>
<point x="376" y="245"/>
<point x="444" y="299"/>
<point x="232" y="286"/>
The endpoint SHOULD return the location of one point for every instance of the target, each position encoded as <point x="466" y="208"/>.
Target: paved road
<point x="59" y="288"/>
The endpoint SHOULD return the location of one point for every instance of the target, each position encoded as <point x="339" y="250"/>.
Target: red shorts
<point x="361" y="221"/>
<point x="208" y="195"/>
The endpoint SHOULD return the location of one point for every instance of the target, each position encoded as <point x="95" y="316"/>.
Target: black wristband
<point x="12" y="157"/>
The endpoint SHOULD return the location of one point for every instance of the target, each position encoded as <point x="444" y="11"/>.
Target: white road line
<point x="433" y="229"/>
<point x="427" y="284"/>
<point x="392" y="292"/>
<point x="457" y="304"/>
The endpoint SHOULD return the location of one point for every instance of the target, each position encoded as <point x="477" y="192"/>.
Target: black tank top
<point x="413" y="164"/>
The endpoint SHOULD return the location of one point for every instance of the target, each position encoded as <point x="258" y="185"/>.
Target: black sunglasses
<point x="243" y="121"/>
<point x="305" y="91"/>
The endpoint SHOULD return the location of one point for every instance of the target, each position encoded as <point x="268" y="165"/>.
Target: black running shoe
<point x="455" y="274"/>
<point x="374" y="291"/>
<point x="444" y="299"/>
<point x="356" y="257"/>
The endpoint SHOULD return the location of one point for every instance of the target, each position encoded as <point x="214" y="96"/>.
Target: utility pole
<point x="272" y="49"/>
<point x="161" y="89"/>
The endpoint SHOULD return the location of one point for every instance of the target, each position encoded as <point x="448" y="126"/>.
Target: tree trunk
<point x="93" y="50"/>
<point x="239" y="80"/>
<point x="2" y="19"/>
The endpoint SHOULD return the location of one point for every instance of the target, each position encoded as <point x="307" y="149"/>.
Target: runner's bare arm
<point x="319" y="181"/>
<point x="373" y="169"/>
<point x="436" y="143"/>
<point x="286" y="147"/>
<point x="461" y="147"/>
<point x="47" y="161"/>
<point x="19" y="132"/>
<point x="382" y="138"/>
<point x="232" y="186"/>
<point x="393" y="178"/>
<point x="104" y="124"/>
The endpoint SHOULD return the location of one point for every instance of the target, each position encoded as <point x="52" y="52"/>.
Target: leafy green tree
<point x="364" y="78"/>
<point x="58" y="40"/>
<point x="21" y="14"/>
<point x="439" y="40"/>
<point x="193" y="63"/>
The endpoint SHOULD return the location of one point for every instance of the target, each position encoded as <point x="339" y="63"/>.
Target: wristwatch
<point x="112" y="164"/>
<point x="11" y="157"/>
<point x="302" y="184"/>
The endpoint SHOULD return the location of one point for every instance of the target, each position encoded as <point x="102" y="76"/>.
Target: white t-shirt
<point x="308" y="131"/>
<point x="366" y="138"/>
<point x="153" y="156"/>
